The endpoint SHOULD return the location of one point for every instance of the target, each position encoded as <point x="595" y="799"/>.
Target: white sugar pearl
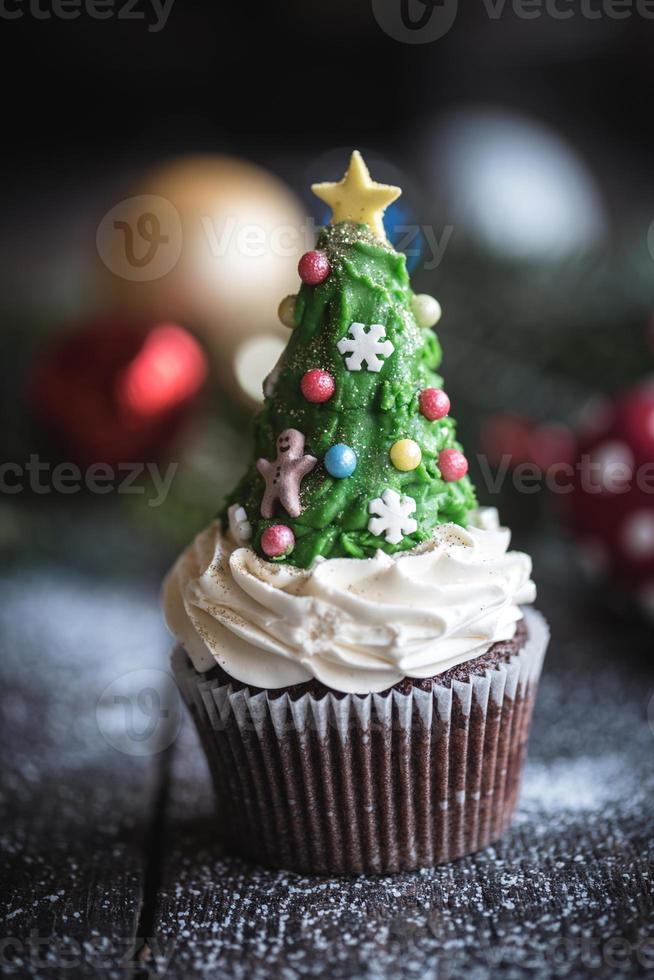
<point x="426" y="310"/>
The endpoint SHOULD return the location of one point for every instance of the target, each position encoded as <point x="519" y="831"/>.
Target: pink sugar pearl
<point x="434" y="403"/>
<point x="317" y="386"/>
<point x="452" y="464"/>
<point x="277" y="540"/>
<point x="314" y="268"/>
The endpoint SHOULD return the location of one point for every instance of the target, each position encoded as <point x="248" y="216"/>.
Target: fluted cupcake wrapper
<point x="380" y="783"/>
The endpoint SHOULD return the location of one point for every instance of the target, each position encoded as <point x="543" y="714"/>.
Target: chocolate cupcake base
<point x="321" y="782"/>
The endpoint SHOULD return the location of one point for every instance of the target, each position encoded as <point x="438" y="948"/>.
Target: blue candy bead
<point x="340" y="461"/>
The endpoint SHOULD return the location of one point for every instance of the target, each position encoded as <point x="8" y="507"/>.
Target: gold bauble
<point x="212" y="242"/>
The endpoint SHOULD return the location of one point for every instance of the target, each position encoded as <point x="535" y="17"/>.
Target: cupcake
<point x="356" y="643"/>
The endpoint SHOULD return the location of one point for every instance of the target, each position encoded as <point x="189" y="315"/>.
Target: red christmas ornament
<point x="115" y="391"/>
<point x="452" y="464"/>
<point x="165" y="373"/>
<point x="434" y="403"/>
<point x="635" y="419"/>
<point x="611" y="507"/>
<point x="314" y="268"/>
<point x="552" y="444"/>
<point x="277" y="540"/>
<point x="317" y="386"/>
<point x="506" y="436"/>
<point x="514" y="440"/>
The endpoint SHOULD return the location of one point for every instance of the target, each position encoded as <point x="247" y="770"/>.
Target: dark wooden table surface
<point x="111" y="865"/>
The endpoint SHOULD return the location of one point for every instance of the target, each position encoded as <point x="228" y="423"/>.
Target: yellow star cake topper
<point x="357" y="197"/>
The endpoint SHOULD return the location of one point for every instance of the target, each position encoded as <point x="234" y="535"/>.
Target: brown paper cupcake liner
<point x="381" y="783"/>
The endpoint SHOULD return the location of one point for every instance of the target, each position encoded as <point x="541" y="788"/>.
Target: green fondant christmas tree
<point x="354" y="447"/>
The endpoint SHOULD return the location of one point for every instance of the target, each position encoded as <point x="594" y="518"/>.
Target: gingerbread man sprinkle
<point x="284" y="476"/>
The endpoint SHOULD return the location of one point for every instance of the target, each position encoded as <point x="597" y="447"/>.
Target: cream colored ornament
<point x="426" y="310"/>
<point x="211" y="242"/>
<point x="286" y="311"/>
<point x="357" y="197"/>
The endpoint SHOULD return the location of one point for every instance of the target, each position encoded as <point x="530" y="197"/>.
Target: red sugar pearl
<point x="314" y="268"/>
<point x="317" y="386"/>
<point x="277" y="540"/>
<point x="452" y="464"/>
<point x="434" y="404"/>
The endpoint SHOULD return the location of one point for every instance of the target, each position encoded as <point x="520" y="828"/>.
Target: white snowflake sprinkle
<point x="365" y="345"/>
<point x="392" y="516"/>
<point x="239" y="526"/>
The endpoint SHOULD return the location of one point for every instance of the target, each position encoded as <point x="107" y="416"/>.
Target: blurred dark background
<point x="249" y="78"/>
<point x="525" y="149"/>
<point x="156" y="175"/>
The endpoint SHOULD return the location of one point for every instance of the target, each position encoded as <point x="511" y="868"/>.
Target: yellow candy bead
<point x="405" y="455"/>
<point x="286" y="311"/>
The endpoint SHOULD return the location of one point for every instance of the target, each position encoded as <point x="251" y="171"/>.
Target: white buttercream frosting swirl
<point x="357" y="625"/>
